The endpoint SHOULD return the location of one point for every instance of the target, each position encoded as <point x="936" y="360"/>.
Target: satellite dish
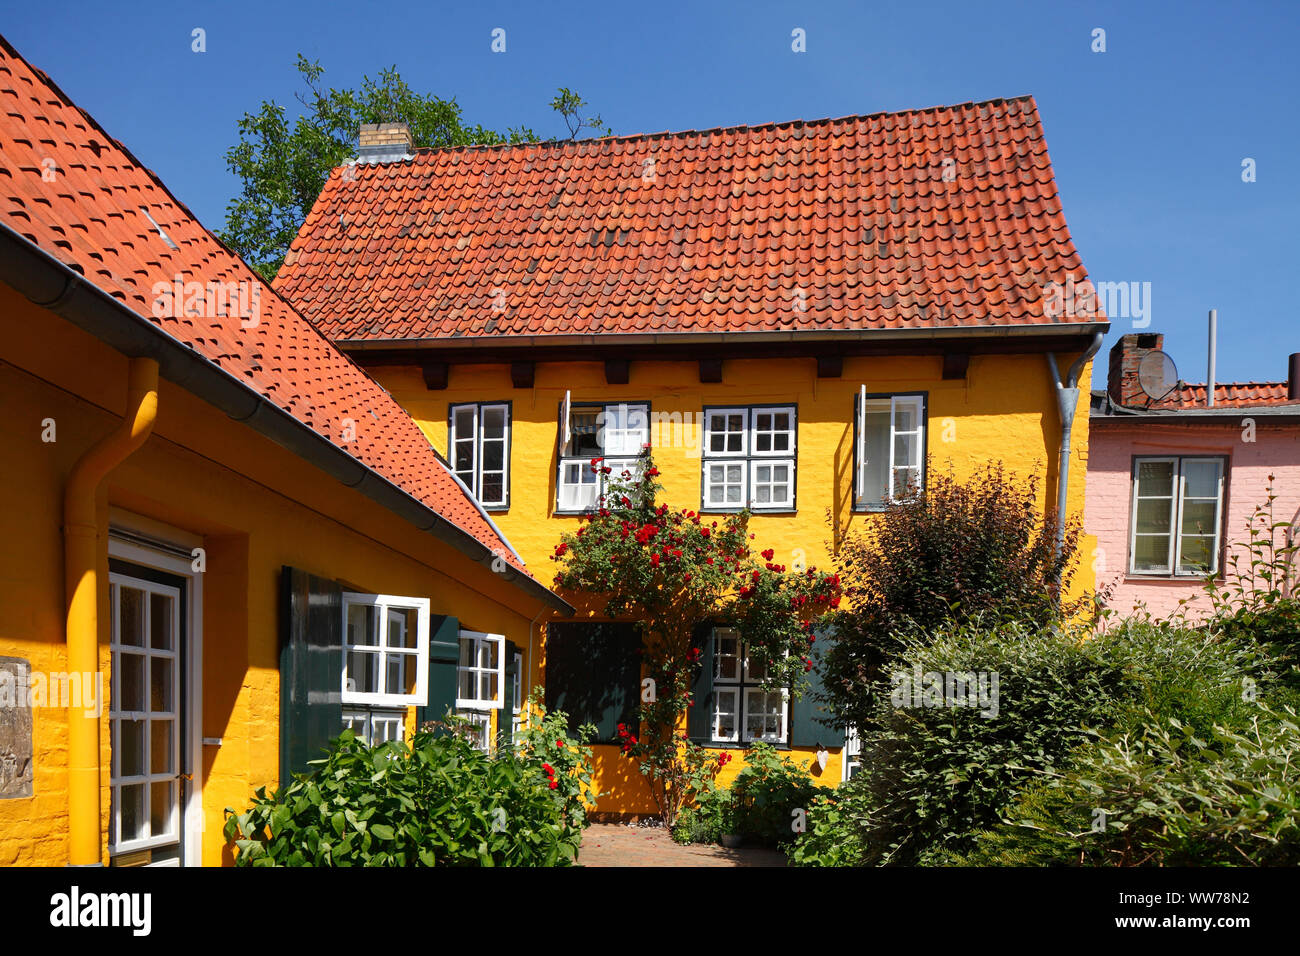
<point x="1157" y="374"/>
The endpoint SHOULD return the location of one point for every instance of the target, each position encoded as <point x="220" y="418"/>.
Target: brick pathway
<point x="614" y="844"/>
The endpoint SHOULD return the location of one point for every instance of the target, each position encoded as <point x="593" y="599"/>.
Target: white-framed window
<point x="374" y="727"/>
<point x="481" y="673"/>
<point x="1177" y="515"/>
<point x="480" y="728"/>
<point x="478" y="444"/>
<point x="385" y="649"/>
<point x="517" y="697"/>
<point x="749" y="458"/>
<point x="617" y="433"/>
<point x="744" y="710"/>
<point x="145" y="714"/>
<point x="889" y="453"/>
<point x="852" y="753"/>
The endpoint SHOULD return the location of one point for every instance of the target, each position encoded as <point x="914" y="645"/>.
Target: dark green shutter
<point x="699" y="717"/>
<point x="311" y="668"/>
<point x="806" y="714"/>
<point x="593" y="674"/>
<point x="505" y="716"/>
<point x="444" y="660"/>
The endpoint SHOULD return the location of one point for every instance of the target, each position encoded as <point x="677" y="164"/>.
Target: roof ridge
<point x="713" y="130"/>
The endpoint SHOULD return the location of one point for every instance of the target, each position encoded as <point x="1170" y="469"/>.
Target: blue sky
<point x="1147" y="138"/>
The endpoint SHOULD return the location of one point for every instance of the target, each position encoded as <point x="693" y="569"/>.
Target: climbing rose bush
<point x="670" y="570"/>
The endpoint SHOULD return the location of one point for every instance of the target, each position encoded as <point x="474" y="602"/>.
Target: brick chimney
<point x="384" y="143"/>
<point x="1125" y="356"/>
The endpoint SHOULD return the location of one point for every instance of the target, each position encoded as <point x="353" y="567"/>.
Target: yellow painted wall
<point x="1005" y="408"/>
<point x="255" y="506"/>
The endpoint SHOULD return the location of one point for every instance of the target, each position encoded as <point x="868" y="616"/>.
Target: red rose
<point x="654" y="560"/>
<point x="547" y="767"/>
<point x="553" y="784"/>
<point x="768" y="554"/>
<point x="560" y="744"/>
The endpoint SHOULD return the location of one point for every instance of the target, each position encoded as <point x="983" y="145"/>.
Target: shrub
<point x="974" y="550"/>
<point x="934" y="777"/>
<point x="766" y="795"/>
<point x="567" y="761"/>
<point x="836" y="819"/>
<point x="438" y="802"/>
<point x="1163" y="796"/>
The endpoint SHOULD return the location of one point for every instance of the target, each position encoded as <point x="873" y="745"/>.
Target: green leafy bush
<point x="1163" y="796"/>
<point x="767" y="793"/>
<point x="567" y="761"/>
<point x="934" y="777"/>
<point x="438" y="802"/>
<point x="835" y="820"/>
<point x="978" y="549"/>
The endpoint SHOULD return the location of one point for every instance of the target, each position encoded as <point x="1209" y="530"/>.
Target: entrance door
<point x="148" y="715"/>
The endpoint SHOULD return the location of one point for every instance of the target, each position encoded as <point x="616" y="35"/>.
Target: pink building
<point x="1174" y="478"/>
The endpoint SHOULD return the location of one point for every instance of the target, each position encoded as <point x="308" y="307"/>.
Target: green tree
<point x="283" y="162"/>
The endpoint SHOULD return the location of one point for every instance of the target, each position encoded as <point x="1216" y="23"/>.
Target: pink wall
<point x="1275" y="450"/>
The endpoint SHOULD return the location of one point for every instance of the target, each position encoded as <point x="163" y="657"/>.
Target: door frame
<point x="151" y="545"/>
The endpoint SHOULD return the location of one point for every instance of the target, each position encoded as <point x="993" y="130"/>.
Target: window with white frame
<point x="478" y="444"/>
<point x="749" y="458"/>
<point x="616" y="433"/>
<point x="744" y="710"/>
<point x="479" y="726"/>
<point x="889" y="458"/>
<point x="385" y="650"/>
<point x="481" y="674"/>
<point x="374" y="727"/>
<point x="1177" y="515"/>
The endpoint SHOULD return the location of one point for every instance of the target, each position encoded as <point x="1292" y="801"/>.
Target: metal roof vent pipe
<point x="1214" y="354"/>
<point x="1293" y="377"/>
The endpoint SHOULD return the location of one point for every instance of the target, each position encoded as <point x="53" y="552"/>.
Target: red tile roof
<point x="78" y="194"/>
<point x="1229" y="395"/>
<point x="944" y="218"/>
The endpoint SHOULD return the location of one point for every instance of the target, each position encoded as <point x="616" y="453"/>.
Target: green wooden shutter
<point x="444" y="660"/>
<point x="311" y="668"/>
<point x="505" y="716"/>
<point x="699" y="717"/>
<point x="806" y="714"/>
<point x="593" y="674"/>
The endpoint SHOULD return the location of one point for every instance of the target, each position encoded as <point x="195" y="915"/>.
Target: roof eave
<point x="51" y="284"/>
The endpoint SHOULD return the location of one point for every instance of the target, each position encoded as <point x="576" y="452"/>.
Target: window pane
<point x="494" y="422"/>
<point x="130" y="757"/>
<point x="363" y="672"/>
<point x="1196" y="553"/>
<point x="726" y="656"/>
<point x="160" y="807"/>
<point x="875" y="474"/>
<point x="160" y="685"/>
<point x="906" y="415"/>
<point x="160" y="622"/>
<point x="494" y="455"/>
<point x="1201" y="479"/>
<point x="493" y="488"/>
<point x="467" y="652"/>
<point x="403" y="627"/>
<point x="130" y="616"/>
<point x="131" y="681"/>
<point x="1155" y="478"/>
<point x="1198" y="517"/>
<point x="1153" y="516"/>
<point x="160" y="746"/>
<point x="585" y="431"/>
<point x="1151" y="552"/>
<point x="131" y="804"/>
<point x="362" y="625"/>
<point x="907" y="450"/>
<point x="907" y="482"/>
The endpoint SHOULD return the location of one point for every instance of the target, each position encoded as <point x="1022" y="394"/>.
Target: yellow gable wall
<point x="1004" y="409"/>
<point x="255" y="506"/>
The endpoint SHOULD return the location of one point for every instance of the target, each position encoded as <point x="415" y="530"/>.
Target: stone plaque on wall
<point x="15" y="729"/>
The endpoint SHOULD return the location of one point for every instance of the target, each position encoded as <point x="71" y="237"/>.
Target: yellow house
<point x="800" y="319"/>
<point x="223" y="542"/>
